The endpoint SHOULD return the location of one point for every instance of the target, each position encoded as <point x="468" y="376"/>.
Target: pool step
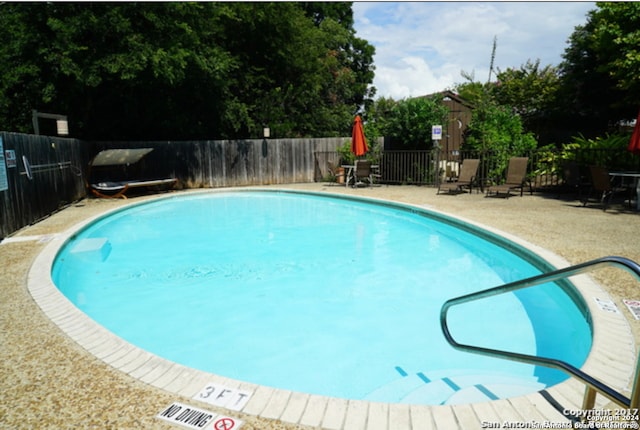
<point x="458" y="388"/>
<point x="93" y="248"/>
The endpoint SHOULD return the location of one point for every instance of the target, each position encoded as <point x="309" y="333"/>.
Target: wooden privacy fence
<point x="38" y="175"/>
<point x="59" y="173"/>
<point x="226" y="163"/>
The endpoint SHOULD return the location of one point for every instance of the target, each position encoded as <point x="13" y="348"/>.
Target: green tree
<point x="347" y="65"/>
<point x="280" y="52"/>
<point x="377" y="115"/>
<point x="116" y="70"/>
<point x="183" y="70"/>
<point x="532" y="92"/>
<point x="497" y="128"/>
<point x="497" y="132"/>
<point x="473" y="92"/>
<point x="616" y="39"/>
<point x="601" y="69"/>
<point x="497" y="120"/>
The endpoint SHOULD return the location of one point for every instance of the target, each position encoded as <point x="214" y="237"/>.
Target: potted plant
<point x="346" y="158"/>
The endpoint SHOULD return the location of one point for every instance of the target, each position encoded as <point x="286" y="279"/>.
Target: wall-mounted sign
<point x="10" y="158"/>
<point x="436" y="132"/>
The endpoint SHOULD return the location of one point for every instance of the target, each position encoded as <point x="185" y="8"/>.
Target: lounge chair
<point x="516" y="178"/>
<point x="601" y="184"/>
<point x="112" y="163"/>
<point x="466" y="179"/>
<point x="114" y="190"/>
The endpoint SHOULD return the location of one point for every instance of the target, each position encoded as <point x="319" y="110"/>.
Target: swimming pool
<point x="339" y="297"/>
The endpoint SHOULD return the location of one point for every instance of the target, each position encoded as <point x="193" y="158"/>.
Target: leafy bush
<point x="609" y="150"/>
<point x="346" y="156"/>
<point x="497" y="131"/>
<point x="496" y="128"/>
<point x="409" y="122"/>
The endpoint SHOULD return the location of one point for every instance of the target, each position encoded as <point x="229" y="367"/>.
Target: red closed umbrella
<point x="358" y="141"/>
<point x="634" y="143"/>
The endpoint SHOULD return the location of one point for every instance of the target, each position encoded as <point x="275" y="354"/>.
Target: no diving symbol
<point x="225" y="423"/>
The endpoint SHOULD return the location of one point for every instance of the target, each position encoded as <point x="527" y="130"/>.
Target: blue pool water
<point x="318" y="294"/>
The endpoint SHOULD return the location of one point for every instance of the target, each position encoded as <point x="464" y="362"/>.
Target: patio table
<point x="348" y="168"/>
<point x="636" y="177"/>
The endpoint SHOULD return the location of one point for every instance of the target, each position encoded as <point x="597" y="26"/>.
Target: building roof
<point x="452" y="96"/>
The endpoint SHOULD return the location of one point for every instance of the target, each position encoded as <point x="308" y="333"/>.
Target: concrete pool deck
<point x="48" y="379"/>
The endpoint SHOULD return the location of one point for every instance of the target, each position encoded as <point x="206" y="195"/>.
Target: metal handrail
<point x="592" y="383"/>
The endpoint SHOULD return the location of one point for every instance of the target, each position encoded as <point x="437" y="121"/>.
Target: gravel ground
<point x="48" y="381"/>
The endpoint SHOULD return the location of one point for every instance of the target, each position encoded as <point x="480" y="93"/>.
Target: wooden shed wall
<point x="458" y="121"/>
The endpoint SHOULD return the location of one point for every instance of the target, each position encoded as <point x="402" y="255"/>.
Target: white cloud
<point x="422" y="47"/>
<point x="411" y="77"/>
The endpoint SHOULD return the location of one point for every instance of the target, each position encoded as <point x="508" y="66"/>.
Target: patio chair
<point x="572" y="179"/>
<point x="516" y="178"/>
<point x="602" y="185"/>
<point x="362" y="172"/>
<point x="466" y="178"/>
<point x="450" y="175"/>
<point x="110" y="173"/>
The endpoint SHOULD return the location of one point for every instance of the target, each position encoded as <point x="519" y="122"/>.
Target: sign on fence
<point x="436" y="132"/>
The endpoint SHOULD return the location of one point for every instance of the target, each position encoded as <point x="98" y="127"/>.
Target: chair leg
<point x="606" y="199"/>
<point x="118" y="195"/>
<point x="586" y="199"/>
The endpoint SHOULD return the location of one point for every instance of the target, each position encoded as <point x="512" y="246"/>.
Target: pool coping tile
<point x="335" y="414"/>
<point x="276" y="405"/>
<point x="315" y="410"/>
<point x="378" y="418"/>
<point x="444" y="417"/>
<point x="612" y="359"/>
<point x="356" y="415"/>
<point x="421" y="418"/>
<point x="399" y="415"/>
<point x="466" y="415"/>
<point x="545" y="408"/>
<point x="295" y="407"/>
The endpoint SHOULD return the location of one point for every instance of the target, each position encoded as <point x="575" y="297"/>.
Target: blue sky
<point x="422" y="47"/>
